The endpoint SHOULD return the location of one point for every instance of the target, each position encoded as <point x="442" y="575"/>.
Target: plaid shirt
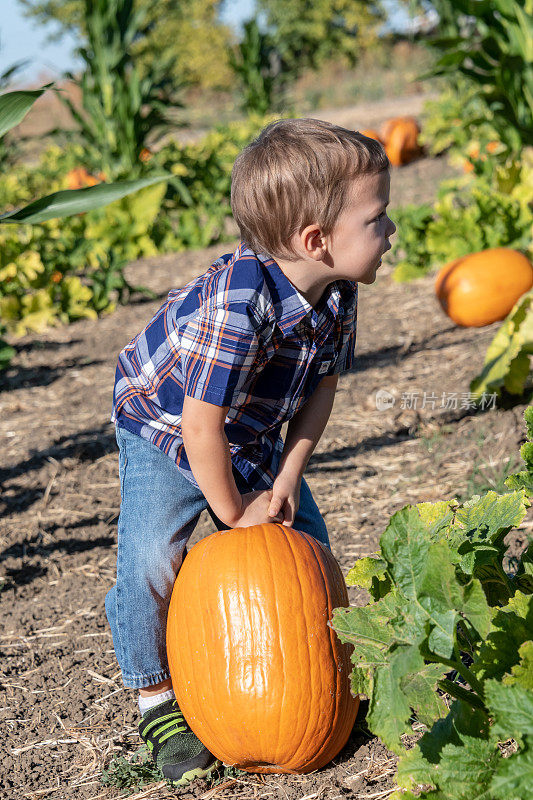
<point x="242" y="336"/>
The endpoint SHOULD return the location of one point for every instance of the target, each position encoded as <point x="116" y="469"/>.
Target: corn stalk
<point x="120" y="109"/>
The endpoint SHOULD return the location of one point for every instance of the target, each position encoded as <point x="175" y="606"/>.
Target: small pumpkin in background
<point x="372" y="134"/>
<point x="400" y="137"/>
<point x="79" y="178"/>
<point x="482" y="288"/>
<point x="260" y="676"/>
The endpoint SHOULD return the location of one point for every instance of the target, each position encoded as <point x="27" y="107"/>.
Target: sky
<point x="23" y="39"/>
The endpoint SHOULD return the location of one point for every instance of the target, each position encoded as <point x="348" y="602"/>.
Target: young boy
<point x="202" y="392"/>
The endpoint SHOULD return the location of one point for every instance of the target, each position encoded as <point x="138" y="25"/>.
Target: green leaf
<point x="507" y="358"/>
<point x="466" y="770"/>
<point x="437" y="517"/>
<point x="76" y="201"/>
<point x="512" y="709"/>
<point x="367" y="629"/>
<point x="522" y="673"/>
<point x="462" y="720"/>
<point x="414" y="769"/>
<point x="419" y="689"/>
<point x="513" y="777"/>
<point x="511" y="627"/>
<point x="364" y="570"/>
<point x="15" y="105"/>
<point x="425" y="574"/>
<point x="491" y="517"/>
<point x="524" y="479"/>
<point x="389" y="710"/>
<point x="476" y="609"/>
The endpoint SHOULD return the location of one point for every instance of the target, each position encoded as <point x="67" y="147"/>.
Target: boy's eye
<point x="379" y="216"/>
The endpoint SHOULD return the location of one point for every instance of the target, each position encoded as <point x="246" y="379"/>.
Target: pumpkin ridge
<point x="311" y="700"/>
<point x="204" y="562"/>
<point x="316" y="759"/>
<point x="278" y="638"/>
<point x="336" y="579"/>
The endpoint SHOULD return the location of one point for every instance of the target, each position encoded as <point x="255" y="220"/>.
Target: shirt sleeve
<point x="218" y="349"/>
<point x="348" y="331"/>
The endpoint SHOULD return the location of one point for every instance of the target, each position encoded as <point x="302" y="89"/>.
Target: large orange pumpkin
<point x="400" y="136"/>
<point x="482" y="288"/>
<point x="260" y="676"/>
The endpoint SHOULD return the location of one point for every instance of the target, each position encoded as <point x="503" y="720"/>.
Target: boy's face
<point x="361" y="233"/>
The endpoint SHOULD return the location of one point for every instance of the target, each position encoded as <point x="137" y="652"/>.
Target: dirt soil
<point x="63" y="710"/>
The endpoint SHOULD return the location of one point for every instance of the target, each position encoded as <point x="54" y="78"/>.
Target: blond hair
<point x="295" y="173"/>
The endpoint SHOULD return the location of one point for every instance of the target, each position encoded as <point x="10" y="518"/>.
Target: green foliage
<point x="307" y="35"/>
<point x="121" y="109"/>
<point x="131" y="775"/>
<point x="38" y="264"/>
<point x="261" y="73"/>
<point x="446" y="620"/>
<point x="490" y="44"/>
<point x="455" y="119"/>
<point x="189" y="34"/>
<point x="507" y="361"/>
<point x="479" y="215"/>
<point x="524" y="479"/>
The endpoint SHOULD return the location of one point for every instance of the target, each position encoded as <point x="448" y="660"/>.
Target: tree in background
<point x="188" y="31"/>
<point x="308" y="33"/>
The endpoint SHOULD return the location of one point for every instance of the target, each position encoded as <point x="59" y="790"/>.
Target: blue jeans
<point x="158" y="513"/>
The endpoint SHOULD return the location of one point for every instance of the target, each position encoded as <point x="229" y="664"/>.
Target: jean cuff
<point x="142" y="681"/>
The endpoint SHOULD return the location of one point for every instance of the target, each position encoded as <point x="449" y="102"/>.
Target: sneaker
<point x="176" y="750"/>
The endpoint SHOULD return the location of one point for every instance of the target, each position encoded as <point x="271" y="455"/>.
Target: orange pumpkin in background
<point x="372" y="134"/>
<point x="400" y="136"/>
<point x="260" y="676"/>
<point x="79" y="178"/>
<point x="482" y="288"/>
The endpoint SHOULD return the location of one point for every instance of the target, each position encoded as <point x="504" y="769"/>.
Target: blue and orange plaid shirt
<point x="240" y="335"/>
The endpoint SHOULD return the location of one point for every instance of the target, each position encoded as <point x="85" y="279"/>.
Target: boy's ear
<point x="314" y="242"/>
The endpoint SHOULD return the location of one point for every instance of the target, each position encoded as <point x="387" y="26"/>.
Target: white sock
<point x="146" y="703"/>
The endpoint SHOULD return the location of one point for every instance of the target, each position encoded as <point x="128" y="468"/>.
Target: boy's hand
<point x="285" y="497"/>
<point x="255" y="509"/>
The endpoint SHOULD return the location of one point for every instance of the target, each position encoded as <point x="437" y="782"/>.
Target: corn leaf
<point x="76" y="201"/>
<point x="15" y="105"/>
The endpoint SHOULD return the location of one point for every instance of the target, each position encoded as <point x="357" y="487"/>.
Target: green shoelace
<point x="160" y="729"/>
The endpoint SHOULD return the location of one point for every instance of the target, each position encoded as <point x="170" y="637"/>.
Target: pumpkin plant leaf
<point x="489" y="518"/>
<point x="513" y="776"/>
<point x="511" y="626"/>
<point x="512" y="709"/>
<point x="507" y="358"/>
<point x="419" y="690"/>
<point x="466" y="770"/>
<point x="522" y="673"/>
<point x="389" y="709"/>
<point x="364" y="570"/>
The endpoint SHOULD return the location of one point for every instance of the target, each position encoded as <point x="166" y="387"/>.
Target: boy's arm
<point x="208" y="454"/>
<point x="209" y="457"/>
<point x="303" y="434"/>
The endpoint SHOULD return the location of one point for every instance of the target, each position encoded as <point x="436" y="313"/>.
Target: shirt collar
<point x="294" y="306"/>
